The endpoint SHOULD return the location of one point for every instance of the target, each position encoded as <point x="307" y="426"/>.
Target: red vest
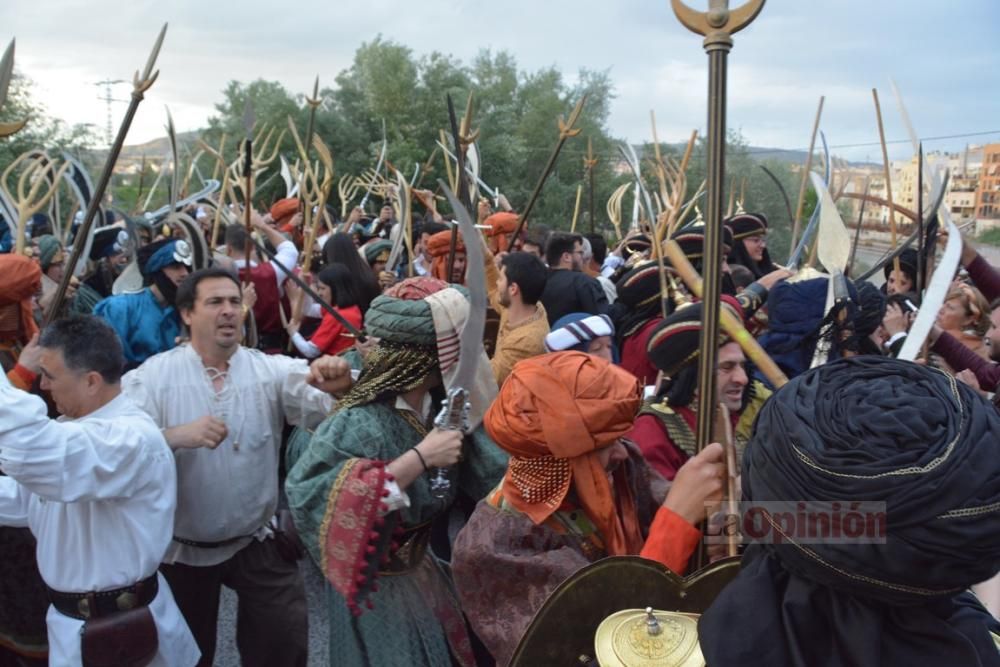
<point x="265" y="311"/>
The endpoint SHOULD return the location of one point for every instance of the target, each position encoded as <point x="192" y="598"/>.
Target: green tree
<point x="272" y="106"/>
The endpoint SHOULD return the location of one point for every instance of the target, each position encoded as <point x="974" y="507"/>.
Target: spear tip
<point x="154" y="54"/>
<point x="248" y="117"/>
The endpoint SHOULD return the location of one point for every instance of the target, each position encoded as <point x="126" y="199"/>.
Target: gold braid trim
<point x="390" y="369"/>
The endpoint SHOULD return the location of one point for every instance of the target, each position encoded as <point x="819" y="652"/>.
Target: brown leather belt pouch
<point x="123" y="639"/>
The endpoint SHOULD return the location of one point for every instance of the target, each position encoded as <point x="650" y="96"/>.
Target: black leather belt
<point x="210" y="545"/>
<point x="95" y="604"/>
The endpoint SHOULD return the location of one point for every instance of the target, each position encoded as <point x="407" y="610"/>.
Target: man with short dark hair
<point x="267" y="277"/>
<point x="567" y="289"/>
<point x="222" y="408"/>
<point x="514" y="293"/>
<point x="593" y="259"/>
<point x="98" y="490"/>
<point x="533" y="246"/>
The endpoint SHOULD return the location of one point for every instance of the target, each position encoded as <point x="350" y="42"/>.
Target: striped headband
<point x="579" y="332"/>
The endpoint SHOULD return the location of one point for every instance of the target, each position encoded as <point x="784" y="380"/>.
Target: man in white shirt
<point x="222" y="408"/>
<point x="98" y="490"/>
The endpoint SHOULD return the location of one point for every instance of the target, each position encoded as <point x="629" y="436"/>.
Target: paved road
<point x="226" y="654"/>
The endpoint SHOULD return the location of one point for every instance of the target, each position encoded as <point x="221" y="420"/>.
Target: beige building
<point x="987" y="206"/>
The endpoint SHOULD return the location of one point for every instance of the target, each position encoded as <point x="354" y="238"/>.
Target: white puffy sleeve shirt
<point x="99" y="495"/>
<point x="230" y="491"/>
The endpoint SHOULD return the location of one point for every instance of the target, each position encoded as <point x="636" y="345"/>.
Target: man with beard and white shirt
<point x="98" y="489"/>
<point x="222" y="408"/>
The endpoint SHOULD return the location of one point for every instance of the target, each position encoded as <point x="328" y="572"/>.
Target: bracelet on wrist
<point x="421" y="457"/>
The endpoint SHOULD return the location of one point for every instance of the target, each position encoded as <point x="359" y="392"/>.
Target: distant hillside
<point x="789" y="156"/>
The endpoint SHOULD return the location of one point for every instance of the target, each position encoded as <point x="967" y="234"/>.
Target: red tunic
<point x="330" y="337"/>
<point x="269" y="299"/>
<point x="634" y="357"/>
<point x="649" y="433"/>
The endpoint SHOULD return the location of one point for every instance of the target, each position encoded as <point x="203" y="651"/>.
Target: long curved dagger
<point x="454" y="415"/>
<point x="935" y="295"/>
<point x="784" y="193"/>
<point x="6" y="74"/>
<point x="793" y="259"/>
<point x="633" y="164"/>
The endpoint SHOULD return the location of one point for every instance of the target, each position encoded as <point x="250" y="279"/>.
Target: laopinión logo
<point x="801" y="522"/>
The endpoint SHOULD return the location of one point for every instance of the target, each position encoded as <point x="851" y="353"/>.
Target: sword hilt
<point x="454" y="416"/>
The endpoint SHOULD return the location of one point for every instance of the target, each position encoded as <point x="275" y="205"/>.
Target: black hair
<point x="236" y="237"/>
<point x="559" y="243"/>
<point x="528" y="273"/>
<point x="340" y="249"/>
<point x="87" y="343"/>
<point x="187" y="291"/>
<point x="343" y="287"/>
<point x="680" y="390"/>
<point x="431" y="227"/>
<point x="598" y="247"/>
<point x="742" y="276"/>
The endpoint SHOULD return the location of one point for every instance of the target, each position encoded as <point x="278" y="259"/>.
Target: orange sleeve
<point x="671" y="540"/>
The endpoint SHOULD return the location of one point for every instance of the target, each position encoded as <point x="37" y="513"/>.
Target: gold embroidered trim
<point x="331" y="497"/>
<point x="929" y="592"/>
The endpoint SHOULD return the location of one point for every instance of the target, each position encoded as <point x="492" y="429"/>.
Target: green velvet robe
<point x="415" y="618"/>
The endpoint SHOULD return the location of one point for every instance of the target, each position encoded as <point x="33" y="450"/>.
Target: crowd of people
<point x="169" y="429"/>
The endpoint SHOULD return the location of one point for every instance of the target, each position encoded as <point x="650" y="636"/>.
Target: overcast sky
<point x="942" y="55"/>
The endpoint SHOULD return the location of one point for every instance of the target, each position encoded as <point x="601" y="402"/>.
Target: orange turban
<point x="20" y="280"/>
<point x="554" y="412"/>
<point x="284" y="208"/>
<point x="501" y="224"/>
<point x="438" y="246"/>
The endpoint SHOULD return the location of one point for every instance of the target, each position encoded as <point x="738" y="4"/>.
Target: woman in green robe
<point x="361" y="492"/>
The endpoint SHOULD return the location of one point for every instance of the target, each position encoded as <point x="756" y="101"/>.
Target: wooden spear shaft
<point x="565" y="132"/>
<point x="888" y="178"/>
<point x="805" y="175"/>
<point x="576" y="208"/>
<point x="139" y="87"/>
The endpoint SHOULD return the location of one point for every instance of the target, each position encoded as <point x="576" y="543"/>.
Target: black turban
<point x="742" y="226"/>
<point x="638" y="299"/>
<point x="877" y="430"/>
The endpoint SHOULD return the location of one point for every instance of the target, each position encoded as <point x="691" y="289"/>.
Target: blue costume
<point x="144" y="325"/>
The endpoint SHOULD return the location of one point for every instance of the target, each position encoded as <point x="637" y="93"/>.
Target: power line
<point x="107" y="99"/>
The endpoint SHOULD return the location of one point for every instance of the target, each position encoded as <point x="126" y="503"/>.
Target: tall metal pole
<point x="717" y="25"/>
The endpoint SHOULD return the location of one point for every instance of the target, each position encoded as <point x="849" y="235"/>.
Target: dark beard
<point x="166" y="287"/>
